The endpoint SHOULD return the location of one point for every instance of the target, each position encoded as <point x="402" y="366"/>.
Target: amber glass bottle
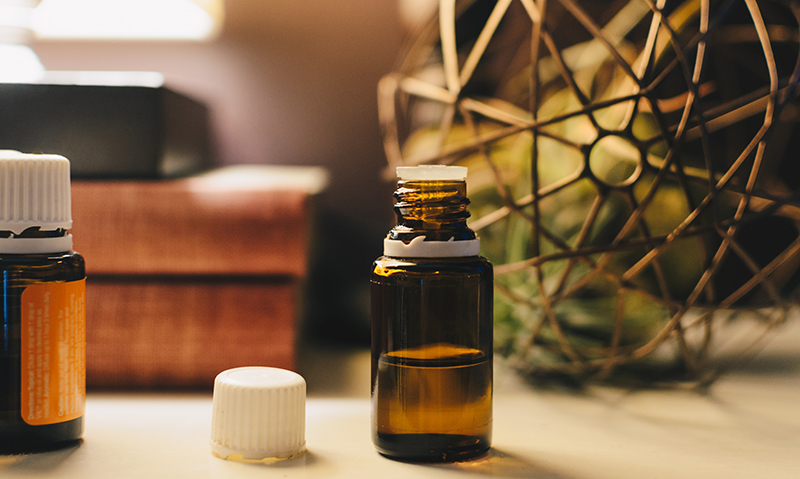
<point x="42" y="296"/>
<point x="431" y="325"/>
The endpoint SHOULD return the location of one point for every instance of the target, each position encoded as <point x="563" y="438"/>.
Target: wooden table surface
<point x="747" y="426"/>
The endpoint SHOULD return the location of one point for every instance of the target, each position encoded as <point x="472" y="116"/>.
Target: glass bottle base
<point x="17" y="438"/>
<point x="431" y="447"/>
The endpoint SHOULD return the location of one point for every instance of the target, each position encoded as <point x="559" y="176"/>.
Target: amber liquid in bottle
<point x="432" y="336"/>
<point x="16" y="273"/>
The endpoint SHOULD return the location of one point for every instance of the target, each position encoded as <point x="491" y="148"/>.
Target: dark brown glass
<point x="432" y="358"/>
<point x="432" y="335"/>
<point x="16" y="273"/>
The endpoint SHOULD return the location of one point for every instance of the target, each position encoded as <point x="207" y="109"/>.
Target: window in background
<point x="128" y="19"/>
<point x="22" y="20"/>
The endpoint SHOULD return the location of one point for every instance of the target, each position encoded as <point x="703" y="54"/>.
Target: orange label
<point x="53" y="352"/>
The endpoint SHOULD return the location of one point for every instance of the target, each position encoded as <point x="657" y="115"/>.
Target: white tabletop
<point x="748" y="426"/>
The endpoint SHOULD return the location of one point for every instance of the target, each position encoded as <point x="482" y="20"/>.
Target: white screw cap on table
<point x="258" y="413"/>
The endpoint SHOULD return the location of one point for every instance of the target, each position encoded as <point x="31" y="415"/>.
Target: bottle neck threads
<point x="436" y="210"/>
<point x="431" y="219"/>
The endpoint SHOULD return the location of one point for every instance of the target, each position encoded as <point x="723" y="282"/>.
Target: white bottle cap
<point x="34" y="192"/>
<point x="258" y="413"/>
<point x="432" y="173"/>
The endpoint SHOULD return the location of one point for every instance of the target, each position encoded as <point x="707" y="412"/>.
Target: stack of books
<point x="192" y="276"/>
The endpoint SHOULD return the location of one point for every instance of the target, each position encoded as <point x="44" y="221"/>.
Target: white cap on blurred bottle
<point x="34" y="195"/>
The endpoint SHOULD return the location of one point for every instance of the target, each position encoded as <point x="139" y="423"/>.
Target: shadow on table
<point x="501" y="464"/>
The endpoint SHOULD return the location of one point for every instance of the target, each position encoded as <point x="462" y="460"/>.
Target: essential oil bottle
<point x="431" y="325"/>
<point x="42" y="298"/>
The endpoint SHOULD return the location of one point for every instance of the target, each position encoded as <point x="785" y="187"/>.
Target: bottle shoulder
<point x="389" y="264"/>
<point x="34" y="258"/>
<point x="71" y="264"/>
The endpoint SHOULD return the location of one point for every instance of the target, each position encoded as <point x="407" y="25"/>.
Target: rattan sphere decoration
<point x="634" y="173"/>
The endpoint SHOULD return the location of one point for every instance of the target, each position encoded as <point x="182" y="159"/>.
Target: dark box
<point x="108" y="131"/>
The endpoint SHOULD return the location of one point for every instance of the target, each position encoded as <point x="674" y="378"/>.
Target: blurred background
<point x="289" y="83"/>
<point x="228" y="172"/>
<point x="196" y="271"/>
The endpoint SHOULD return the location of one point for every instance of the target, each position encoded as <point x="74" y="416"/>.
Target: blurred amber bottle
<point x="42" y="298"/>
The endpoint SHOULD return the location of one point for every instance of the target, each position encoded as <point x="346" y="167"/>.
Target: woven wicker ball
<point x="633" y="171"/>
